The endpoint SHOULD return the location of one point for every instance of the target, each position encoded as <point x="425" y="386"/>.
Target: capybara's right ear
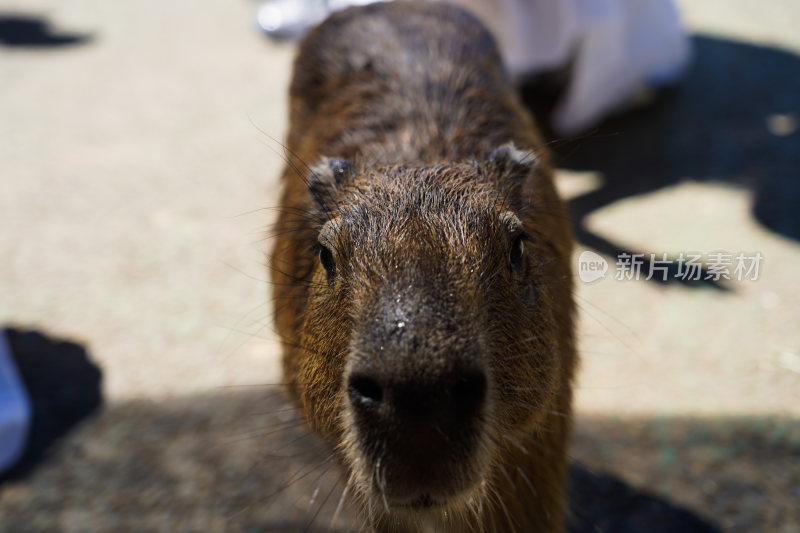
<point x="327" y="176"/>
<point x="510" y="167"/>
<point x="509" y="158"/>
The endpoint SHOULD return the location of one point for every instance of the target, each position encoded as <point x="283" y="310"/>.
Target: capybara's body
<point x="421" y="274"/>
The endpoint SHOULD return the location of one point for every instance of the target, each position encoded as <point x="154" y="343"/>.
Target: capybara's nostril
<point x="468" y="393"/>
<point x="363" y="390"/>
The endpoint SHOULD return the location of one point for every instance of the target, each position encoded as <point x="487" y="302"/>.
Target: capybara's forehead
<point x="396" y="243"/>
<point x="455" y="196"/>
<point x="414" y="220"/>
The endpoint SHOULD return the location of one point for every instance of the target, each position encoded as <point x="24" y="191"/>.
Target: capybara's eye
<point x="326" y="258"/>
<point x="517" y="251"/>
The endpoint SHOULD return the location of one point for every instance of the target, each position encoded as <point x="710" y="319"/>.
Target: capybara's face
<point x="427" y="340"/>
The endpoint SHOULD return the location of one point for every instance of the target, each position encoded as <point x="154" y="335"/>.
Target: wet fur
<point x="419" y="146"/>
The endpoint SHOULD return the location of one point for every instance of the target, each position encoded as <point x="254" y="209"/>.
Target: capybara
<point x="421" y="275"/>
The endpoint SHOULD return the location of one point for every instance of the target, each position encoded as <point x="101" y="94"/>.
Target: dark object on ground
<point x="64" y="386"/>
<point x="25" y="31"/>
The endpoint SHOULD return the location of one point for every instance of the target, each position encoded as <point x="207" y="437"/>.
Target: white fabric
<point x="617" y="47"/>
<point x="15" y="409"/>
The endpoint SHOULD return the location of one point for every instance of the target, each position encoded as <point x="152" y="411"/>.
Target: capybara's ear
<point x="508" y="159"/>
<point x="326" y="177"/>
<point x="511" y="167"/>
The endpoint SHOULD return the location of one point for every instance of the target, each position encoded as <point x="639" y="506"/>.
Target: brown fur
<point x="420" y="226"/>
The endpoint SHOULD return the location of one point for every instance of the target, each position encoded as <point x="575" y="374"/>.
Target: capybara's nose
<point x="441" y="399"/>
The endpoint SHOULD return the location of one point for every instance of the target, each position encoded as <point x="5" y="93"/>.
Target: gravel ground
<point x="140" y="154"/>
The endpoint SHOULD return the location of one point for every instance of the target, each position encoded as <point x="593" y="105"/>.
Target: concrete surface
<point x="139" y="155"/>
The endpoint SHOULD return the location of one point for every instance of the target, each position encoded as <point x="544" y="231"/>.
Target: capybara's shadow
<point x="734" y="118"/>
<point x="64" y="386"/>
<point x="26" y="31"/>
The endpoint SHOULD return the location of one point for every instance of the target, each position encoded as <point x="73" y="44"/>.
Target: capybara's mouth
<point x="420" y="465"/>
<point x="418" y="486"/>
<point x="424" y="501"/>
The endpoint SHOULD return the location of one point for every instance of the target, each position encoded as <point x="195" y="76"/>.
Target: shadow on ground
<point x="26" y="31"/>
<point x="241" y="461"/>
<point x="734" y="118"/>
<point x="741" y="473"/>
<point x="64" y="387"/>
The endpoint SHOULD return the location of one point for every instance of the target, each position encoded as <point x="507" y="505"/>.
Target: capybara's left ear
<point x="326" y="177"/>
